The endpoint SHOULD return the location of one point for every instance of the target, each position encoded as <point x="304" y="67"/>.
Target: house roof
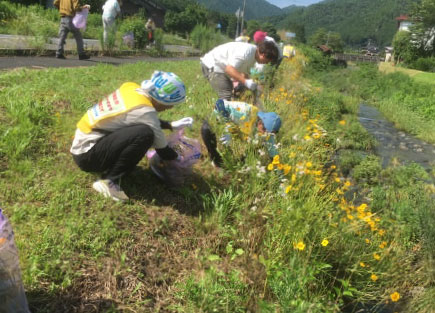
<point x="324" y="48"/>
<point x="150" y="3"/>
<point x="402" y="17"/>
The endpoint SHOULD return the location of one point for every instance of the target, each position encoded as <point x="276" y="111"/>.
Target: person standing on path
<point x="67" y="10"/>
<point x="151" y="27"/>
<point x="111" y="9"/>
<point x="233" y="61"/>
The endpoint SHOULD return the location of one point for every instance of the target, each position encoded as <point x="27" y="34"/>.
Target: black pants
<point x="209" y="139"/>
<point x="118" y="152"/>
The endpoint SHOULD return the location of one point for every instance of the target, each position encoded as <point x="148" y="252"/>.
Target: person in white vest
<point x="115" y="133"/>
<point x="111" y="9"/>
<point x="233" y="61"/>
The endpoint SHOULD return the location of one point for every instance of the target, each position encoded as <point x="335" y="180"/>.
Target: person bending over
<point x="115" y="133"/>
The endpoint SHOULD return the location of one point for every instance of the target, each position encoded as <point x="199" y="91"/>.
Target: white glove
<point x="184" y="122"/>
<point x="250" y="84"/>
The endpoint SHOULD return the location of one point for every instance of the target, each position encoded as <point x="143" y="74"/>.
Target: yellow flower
<point x="275" y="159"/>
<point x="374" y="277"/>
<point x="342" y="122"/>
<point x="333" y="167"/>
<point x="325" y="242"/>
<point x="307" y="137"/>
<point x="280" y="166"/>
<point x="337" y="180"/>
<point x="395" y="296"/>
<point x="347" y="183"/>
<point x="288" y="188"/>
<point x="381" y="232"/>
<point x="308" y="164"/>
<point x="300" y="246"/>
<point x="243" y="118"/>
<point x="376" y="256"/>
<point x="270" y="167"/>
<point x="367" y="241"/>
<point x="292" y="154"/>
<point x="293" y="178"/>
<point x="362" y="264"/>
<point x="383" y="244"/>
<point x="287" y="169"/>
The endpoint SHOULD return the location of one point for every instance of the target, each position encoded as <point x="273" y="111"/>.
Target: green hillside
<point x="254" y="8"/>
<point x="356" y="20"/>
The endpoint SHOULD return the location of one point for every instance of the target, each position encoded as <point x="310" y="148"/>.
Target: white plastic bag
<point x="79" y="20"/>
<point x="12" y="296"/>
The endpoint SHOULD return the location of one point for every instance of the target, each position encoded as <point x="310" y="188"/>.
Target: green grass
<point x="245" y="238"/>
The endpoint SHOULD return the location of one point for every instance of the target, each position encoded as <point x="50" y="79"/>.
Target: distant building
<point x="325" y="49"/>
<point x="403" y="23"/>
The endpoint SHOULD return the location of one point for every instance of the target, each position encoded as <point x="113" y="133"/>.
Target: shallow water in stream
<point x="394" y="143"/>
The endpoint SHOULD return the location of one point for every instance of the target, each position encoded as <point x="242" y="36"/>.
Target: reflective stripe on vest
<point x="119" y="102"/>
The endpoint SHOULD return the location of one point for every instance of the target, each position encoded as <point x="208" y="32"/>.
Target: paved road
<point x="35" y="62"/>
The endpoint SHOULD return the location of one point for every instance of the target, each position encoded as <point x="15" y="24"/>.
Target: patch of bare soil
<point x="160" y="252"/>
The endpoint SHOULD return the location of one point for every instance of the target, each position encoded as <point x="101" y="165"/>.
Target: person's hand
<point x="184" y="122"/>
<point x="250" y="84"/>
<point x="86" y="6"/>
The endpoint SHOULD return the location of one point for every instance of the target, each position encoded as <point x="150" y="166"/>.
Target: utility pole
<point x="243" y="16"/>
<point x="238" y="17"/>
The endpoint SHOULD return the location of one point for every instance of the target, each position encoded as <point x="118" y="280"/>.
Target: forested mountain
<point x="289" y="9"/>
<point x="254" y="8"/>
<point x="356" y="20"/>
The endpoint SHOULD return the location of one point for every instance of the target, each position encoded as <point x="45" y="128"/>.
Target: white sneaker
<point x="110" y="190"/>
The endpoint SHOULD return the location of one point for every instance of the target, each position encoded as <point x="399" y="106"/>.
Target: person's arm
<point x="165" y="125"/>
<point x="241" y="77"/>
<point x="232" y="72"/>
<point x="167" y="153"/>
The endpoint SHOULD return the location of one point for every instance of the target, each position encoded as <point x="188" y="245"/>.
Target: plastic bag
<point x="12" y="295"/>
<point x="128" y="39"/>
<point x="175" y="172"/>
<point x="79" y="20"/>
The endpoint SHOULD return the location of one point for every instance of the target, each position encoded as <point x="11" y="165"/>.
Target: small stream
<point x="394" y="143"/>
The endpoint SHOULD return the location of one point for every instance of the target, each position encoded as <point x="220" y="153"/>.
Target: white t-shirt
<point x="239" y="55"/>
<point x="143" y="115"/>
<point x="111" y="9"/>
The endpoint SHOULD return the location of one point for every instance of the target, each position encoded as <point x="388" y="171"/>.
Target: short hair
<point x="269" y="49"/>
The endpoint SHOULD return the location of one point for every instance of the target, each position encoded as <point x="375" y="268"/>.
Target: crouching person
<point x="114" y="135"/>
<point x="244" y="118"/>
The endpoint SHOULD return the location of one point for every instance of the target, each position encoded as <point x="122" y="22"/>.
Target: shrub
<point x="7" y="11"/>
<point x="135" y="25"/>
<point x="205" y="39"/>
<point x="424" y="64"/>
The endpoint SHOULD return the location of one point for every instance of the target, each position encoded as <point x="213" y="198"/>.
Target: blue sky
<point x="285" y="3"/>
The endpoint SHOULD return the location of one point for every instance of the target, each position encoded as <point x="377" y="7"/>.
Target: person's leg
<point x="222" y="84"/>
<point x="209" y="139"/>
<point x="105" y="30"/>
<point x="78" y="37"/>
<point x="63" y="32"/>
<point x="118" y="152"/>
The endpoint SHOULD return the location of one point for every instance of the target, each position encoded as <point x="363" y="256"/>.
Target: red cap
<point x="259" y="36"/>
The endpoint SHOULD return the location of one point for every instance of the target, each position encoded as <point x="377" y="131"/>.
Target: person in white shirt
<point x="111" y="9"/>
<point x="233" y="61"/>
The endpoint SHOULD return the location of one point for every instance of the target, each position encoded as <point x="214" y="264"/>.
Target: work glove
<point x="184" y="122"/>
<point x="250" y="84"/>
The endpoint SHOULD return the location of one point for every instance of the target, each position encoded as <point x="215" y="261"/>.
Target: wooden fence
<point x="358" y="58"/>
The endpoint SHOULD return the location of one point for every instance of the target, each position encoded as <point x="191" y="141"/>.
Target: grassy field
<point x="292" y="234"/>
<point x="423" y="77"/>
